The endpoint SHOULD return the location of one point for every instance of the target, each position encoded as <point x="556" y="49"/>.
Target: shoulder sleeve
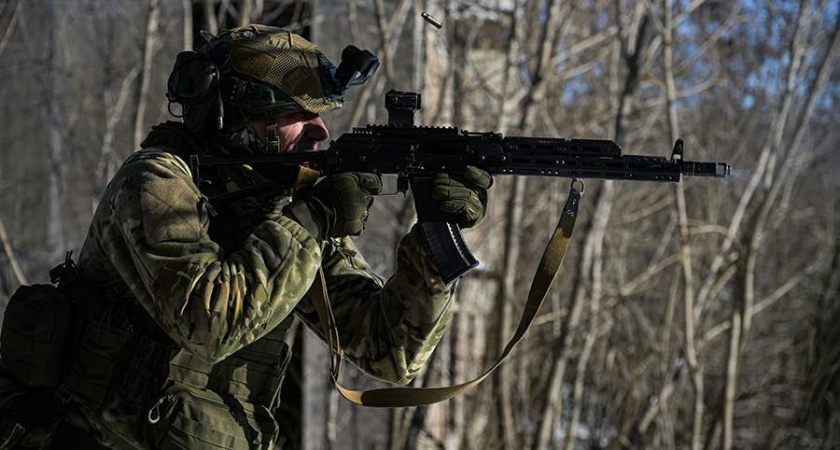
<point x="209" y="303"/>
<point x="388" y="329"/>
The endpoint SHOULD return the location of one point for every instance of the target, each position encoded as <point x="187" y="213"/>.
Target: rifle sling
<point x="406" y="396"/>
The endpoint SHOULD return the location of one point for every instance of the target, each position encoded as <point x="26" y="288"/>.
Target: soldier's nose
<point x="316" y="129"/>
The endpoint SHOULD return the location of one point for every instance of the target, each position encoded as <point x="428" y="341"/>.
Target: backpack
<point x="36" y="340"/>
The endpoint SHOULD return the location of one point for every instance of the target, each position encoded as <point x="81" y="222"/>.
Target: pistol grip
<point x="450" y="253"/>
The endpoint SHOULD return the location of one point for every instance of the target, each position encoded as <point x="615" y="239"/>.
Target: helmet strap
<point x="272" y="138"/>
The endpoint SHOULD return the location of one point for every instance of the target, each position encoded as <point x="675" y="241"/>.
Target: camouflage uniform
<point x="183" y="344"/>
<point x="152" y="244"/>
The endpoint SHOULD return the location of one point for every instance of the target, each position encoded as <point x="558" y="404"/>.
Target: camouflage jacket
<point x="217" y="286"/>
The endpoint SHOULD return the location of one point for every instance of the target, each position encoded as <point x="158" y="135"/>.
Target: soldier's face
<point x="297" y="131"/>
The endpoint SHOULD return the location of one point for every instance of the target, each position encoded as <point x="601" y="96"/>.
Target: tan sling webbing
<point x="406" y="396"/>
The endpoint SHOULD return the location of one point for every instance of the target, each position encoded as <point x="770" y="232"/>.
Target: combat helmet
<point x="249" y="71"/>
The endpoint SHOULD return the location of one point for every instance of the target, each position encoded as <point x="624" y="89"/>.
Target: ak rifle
<point x="415" y="153"/>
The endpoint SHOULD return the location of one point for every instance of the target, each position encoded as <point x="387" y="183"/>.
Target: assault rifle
<point x="415" y="153"/>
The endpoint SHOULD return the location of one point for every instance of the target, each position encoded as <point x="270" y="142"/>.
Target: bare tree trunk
<point x="316" y="393"/>
<point x="10" y="256"/>
<point x="384" y="39"/>
<point x="223" y="10"/>
<point x="259" y="10"/>
<point x="13" y="5"/>
<point x="186" y="7"/>
<point x="580" y="380"/>
<point x="418" y="51"/>
<point x="553" y="403"/>
<point x="553" y="406"/>
<point x="689" y="345"/>
<point x="453" y="429"/>
<point x="589" y="343"/>
<point x="504" y="301"/>
<point x="395" y="429"/>
<point x="593" y="238"/>
<point x="331" y="436"/>
<point x="146" y="72"/>
<point x="210" y="17"/>
<point x="389" y="36"/>
<point x="659" y="407"/>
<point x="694" y="366"/>
<point x="483" y="407"/>
<point x="823" y="367"/>
<point x="114" y="110"/>
<point x="549" y="34"/>
<point x="245" y="12"/>
<point x="54" y="116"/>
<point x="418" y="418"/>
<point x="552" y="29"/>
<point x="731" y="379"/>
<point x="455" y="412"/>
<point x="824" y="312"/>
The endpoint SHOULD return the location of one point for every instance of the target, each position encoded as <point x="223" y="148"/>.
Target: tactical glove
<point x="337" y="206"/>
<point x="464" y="196"/>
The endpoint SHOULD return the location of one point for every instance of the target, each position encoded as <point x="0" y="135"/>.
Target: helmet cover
<point x="300" y="76"/>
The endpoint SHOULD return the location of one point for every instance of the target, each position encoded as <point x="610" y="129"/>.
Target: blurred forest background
<point x="695" y="316"/>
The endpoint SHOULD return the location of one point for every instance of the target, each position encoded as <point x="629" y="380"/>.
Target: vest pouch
<point x="187" y="417"/>
<point x="106" y="344"/>
<point x="36" y="331"/>
<point x="252" y="374"/>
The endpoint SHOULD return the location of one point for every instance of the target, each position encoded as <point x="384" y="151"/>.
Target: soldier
<point x="184" y="347"/>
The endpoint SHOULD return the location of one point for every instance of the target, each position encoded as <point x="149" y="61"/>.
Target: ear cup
<point x="193" y="78"/>
<point x="194" y="83"/>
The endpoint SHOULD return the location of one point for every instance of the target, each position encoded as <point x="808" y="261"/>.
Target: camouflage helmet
<point x="266" y="68"/>
<point x="252" y="70"/>
<point x="249" y="71"/>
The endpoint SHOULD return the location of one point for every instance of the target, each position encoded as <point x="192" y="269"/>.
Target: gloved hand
<point x="465" y="196"/>
<point x="337" y="206"/>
